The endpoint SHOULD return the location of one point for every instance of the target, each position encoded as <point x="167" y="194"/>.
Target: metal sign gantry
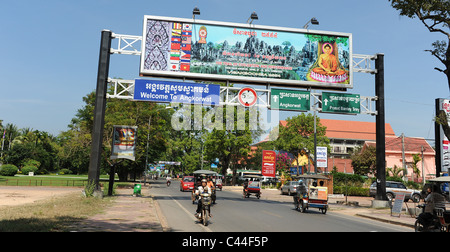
<point x="129" y="45"/>
<point x="122" y="89"/>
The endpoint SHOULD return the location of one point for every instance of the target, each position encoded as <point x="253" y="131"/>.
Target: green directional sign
<point x="341" y="103"/>
<point x="283" y="99"/>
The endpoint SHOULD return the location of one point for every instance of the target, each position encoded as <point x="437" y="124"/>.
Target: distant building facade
<point x="349" y="136"/>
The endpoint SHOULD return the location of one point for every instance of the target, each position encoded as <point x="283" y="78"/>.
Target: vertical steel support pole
<point x="380" y="129"/>
<point x="437" y="140"/>
<point x="99" y="111"/>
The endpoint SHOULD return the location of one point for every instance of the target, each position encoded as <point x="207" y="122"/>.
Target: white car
<point x="289" y="188"/>
<point x="393" y="187"/>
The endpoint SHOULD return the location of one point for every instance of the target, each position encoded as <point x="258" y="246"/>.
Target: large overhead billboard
<point x="199" y="49"/>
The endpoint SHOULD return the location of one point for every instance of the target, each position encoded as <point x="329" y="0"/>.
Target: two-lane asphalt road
<point x="233" y="213"/>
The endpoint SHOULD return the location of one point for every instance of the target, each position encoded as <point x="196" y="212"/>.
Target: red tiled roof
<point x="341" y="129"/>
<point x="412" y="145"/>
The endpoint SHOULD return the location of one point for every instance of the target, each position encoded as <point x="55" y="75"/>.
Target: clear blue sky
<point x="49" y="52"/>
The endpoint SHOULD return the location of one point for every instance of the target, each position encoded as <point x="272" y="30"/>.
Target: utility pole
<point x="423" y="175"/>
<point x="403" y="158"/>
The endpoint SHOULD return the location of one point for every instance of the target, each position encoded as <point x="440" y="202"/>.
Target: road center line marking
<point x="270" y="213"/>
<point x="189" y="214"/>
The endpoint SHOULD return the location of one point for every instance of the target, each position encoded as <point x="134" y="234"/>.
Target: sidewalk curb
<point x="384" y="220"/>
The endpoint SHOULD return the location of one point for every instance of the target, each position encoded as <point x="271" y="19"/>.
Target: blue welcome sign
<point x="181" y="92"/>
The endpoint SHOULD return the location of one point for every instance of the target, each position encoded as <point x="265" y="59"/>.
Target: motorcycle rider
<point x="210" y="184"/>
<point x="434" y="200"/>
<point x="168" y="180"/>
<point x="301" y="190"/>
<point x="201" y="189"/>
<point x="245" y="186"/>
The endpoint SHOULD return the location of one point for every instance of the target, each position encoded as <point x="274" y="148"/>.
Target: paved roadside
<point x="142" y="214"/>
<point x="351" y="205"/>
<point x="128" y="213"/>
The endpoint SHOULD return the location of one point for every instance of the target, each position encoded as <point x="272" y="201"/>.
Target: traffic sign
<point x="171" y="91"/>
<point x="247" y="97"/>
<point x="283" y="99"/>
<point x="341" y="103"/>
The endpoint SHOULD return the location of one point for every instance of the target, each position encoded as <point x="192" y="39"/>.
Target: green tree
<point x="231" y="144"/>
<point x="416" y="159"/>
<point x="41" y="150"/>
<point x="76" y="142"/>
<point x="395" y="171"/>
<point x="364" y="162"/>
<point x="298" y="135"/>
<point x="435" y="16"/>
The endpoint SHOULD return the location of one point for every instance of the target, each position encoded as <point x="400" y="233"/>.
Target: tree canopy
<point x="298" y="135"/>
<point x="435" y="16"/>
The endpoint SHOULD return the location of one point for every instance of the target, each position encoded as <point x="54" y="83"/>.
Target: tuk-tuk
<point x="311" y="193"/>
<point x="252" y="185"/>
<point x="435" y="215"/>
<point x="198" y="176"/>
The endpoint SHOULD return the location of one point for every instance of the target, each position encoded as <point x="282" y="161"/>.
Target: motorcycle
<point x="168" y="183"/>
<point x="426" y="222"/>
<point x="205" y="213"/>
<point x="438" y="221"/>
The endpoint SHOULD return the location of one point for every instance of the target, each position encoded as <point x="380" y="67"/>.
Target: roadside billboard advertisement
<point x="184" y="48"/>
<point x="443" y="143"/>
<point x="124" y="142"/>
<point x="268" y="163"/>
<point x="322" y="159"/>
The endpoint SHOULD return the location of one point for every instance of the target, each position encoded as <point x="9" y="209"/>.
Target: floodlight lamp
<point x="252" y="17"/>
<point x="313" y="21"/>
<point x="196" y="11"/>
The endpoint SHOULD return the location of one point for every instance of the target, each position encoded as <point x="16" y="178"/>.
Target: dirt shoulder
<point x="18" y="195"/>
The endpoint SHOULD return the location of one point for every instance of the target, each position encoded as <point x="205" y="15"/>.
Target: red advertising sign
<point x="268" y="163"/>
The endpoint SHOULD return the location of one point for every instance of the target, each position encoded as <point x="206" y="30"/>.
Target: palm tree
<point x="395" y="171"/>
<point x="416" y="159"/>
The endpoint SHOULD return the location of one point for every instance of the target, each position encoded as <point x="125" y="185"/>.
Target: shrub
<point x="351" y="190"/>
<point x="32" y="162"/>
<point x="29" y="168"/>
<point x="65" y="171"/>
<point x="344" y="178"/>
<point x="8" y="170"/>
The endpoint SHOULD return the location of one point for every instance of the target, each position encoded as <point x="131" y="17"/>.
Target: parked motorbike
<point x="431" y="222"/>
<point x="205" y="213"/>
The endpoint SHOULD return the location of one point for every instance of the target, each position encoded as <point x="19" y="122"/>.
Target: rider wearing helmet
<point x="201" y="189"/>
